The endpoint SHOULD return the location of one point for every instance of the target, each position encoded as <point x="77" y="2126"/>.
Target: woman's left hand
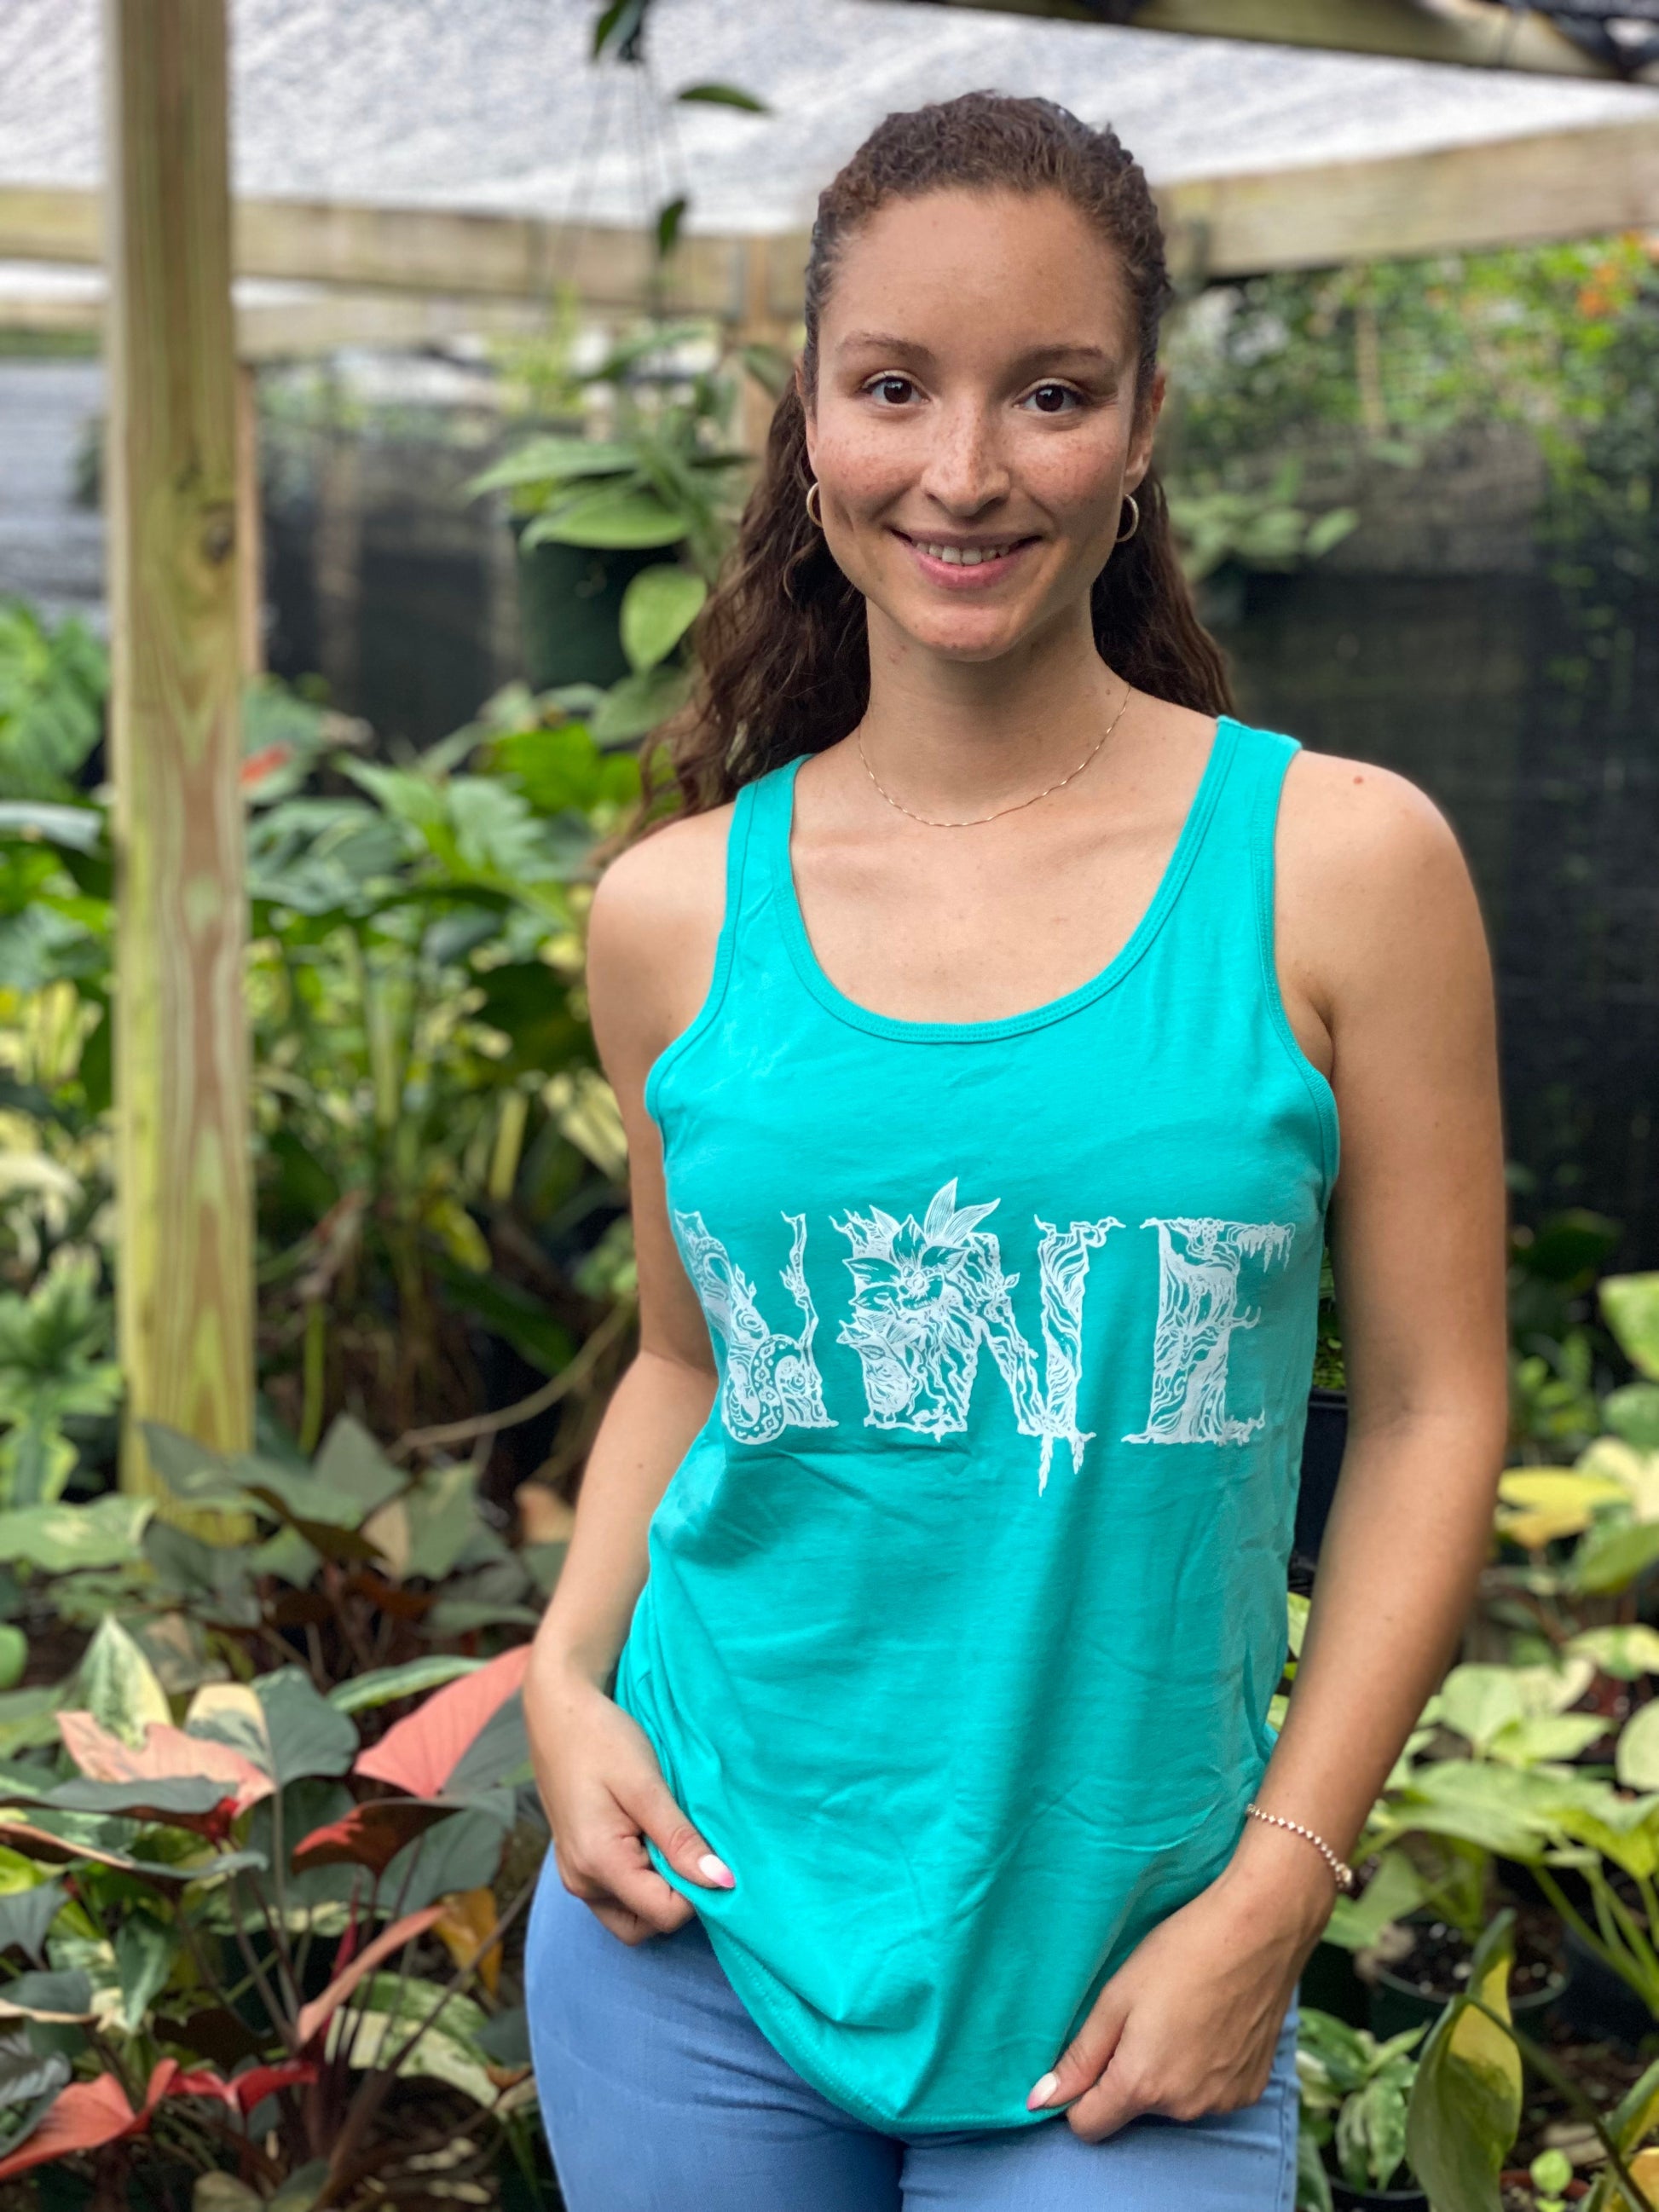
<point x="1189" y="2022"/>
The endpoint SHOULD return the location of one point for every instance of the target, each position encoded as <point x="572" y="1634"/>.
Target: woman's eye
<point x="1053" y="399"/>
<point x="892" y="391"/>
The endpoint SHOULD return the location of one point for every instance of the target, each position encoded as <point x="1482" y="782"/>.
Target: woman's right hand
<point x="603" y="1791"/>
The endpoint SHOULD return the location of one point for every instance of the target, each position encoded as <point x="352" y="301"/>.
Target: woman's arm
<point x="1381" y="936"/>
<point x="651" y="933"/>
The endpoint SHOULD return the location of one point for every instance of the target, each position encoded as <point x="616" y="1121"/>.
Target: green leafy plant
<point x="263" y="1944"/>
<point x="1260" y="526"/>
<point x="1355" y="2091"/>
<point x="52" y="681"/>
<point x="355" y="1563"/>
<point x="55" y="1368"/>
<point x="664" y="477"/>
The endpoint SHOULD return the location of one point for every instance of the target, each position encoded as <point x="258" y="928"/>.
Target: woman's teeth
<point x="963" y="556"/>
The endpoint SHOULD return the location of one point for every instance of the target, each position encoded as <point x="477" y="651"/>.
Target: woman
<point x="979" y="1028"/>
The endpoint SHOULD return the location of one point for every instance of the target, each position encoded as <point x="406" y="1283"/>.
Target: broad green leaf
<point x="1465" y="2109"/>
<point x="552" y="460"/>
<point x="388" y="1683"/>
<point x="609" y="519"/>
<point x="280" y="1723"/>
<point x="658" y="608"/>
<point x="413" y="2000"/>
<point x="725" y="95"/>
<point x="1624" y="1830"/>
<point x="183" y="1797"/>
<point x="24" y="2073"/>
<point x="1612" y="1560"/>
<point x="145" y="1948"/>
<point x="1329" y="529"/>
<point x="1630" y="1305"/>
<point x="638" y="705"/>
<point x="1636" y="1760"/>
<point x="1512" y="1810"/>
<point x="499" y="1755"/>
<point x="1633" y="1412"/>
<point x="1537" y="1504"/>
<point x="1480" y="1702"/>
<point x="61" y="1996"/>
<point x="443" y="1515"/>
<point x="360" y="2038"/>
<point x="1543" y="1736"/>
<point x="462" y="1853"/>
<point x="1624" y="1651"/>
<point x="118" y="1685"/>
<point x="1395" y="1889"/>
<point x="81" y="828"/>
<point x="351" y="1462"/>
<point x="27" y="1914"/>
<point x="58" y="1538"/>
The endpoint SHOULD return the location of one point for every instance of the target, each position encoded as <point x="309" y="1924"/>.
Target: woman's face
<point x="974" y="429"/>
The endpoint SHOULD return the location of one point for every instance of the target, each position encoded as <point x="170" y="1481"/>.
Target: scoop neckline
<point x="829" y="996"/>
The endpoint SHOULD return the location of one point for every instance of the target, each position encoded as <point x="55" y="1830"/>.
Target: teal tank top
<point x="964" y="1609"/>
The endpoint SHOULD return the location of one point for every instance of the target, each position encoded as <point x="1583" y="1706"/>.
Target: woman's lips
<point x="960" y="575"/>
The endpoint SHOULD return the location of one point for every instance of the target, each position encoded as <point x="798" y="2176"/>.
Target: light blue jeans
<point x="660" y="2094"/>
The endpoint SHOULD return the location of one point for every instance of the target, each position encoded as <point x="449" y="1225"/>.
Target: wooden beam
<point x="405" y="249"/>
<point x="1465" y="34"/>
<point x="1510" y="191"/>
<point x="185" y="1277"/>
<point x="303" y="326"/>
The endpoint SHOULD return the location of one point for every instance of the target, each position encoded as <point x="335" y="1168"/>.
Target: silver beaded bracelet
<point x="1342" y="1873"/>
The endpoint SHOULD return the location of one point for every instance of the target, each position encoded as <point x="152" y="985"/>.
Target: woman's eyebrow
<point x="1035" y="356"/>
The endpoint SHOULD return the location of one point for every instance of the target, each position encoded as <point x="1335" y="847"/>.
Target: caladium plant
<point x="232" y="1936"/>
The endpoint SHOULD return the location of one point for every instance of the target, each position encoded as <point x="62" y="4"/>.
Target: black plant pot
<point x="1329" y="1983"/>
<point x="1323" y="1441"/>
<point x="569" y="608"/>
<point x="1397" y="2002"/>
<point x="1598" y="2004"/>
<point x="1376" y="2200"/>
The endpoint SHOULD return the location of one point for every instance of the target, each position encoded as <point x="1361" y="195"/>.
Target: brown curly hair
<point x="780" y="648"/>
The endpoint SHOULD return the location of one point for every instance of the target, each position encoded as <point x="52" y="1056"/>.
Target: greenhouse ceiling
<point x="372" y="139"/>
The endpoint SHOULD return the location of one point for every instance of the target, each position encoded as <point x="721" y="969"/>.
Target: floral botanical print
<point x="772" y="1381"/>
<point x="927" y="1295"/>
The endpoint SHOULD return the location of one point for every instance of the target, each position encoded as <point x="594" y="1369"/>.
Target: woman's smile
<point x="964" y="564"/>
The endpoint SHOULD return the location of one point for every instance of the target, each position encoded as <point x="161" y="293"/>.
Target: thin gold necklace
<point x="973" y="821"/>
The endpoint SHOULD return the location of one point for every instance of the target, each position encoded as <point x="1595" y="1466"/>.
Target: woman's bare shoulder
<point x="1372" y="876"/>
<point x="667" y="879"/>
<point x="651" y="933"/>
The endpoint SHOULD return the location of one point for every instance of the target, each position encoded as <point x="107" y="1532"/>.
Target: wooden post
<point x="183" y="1174"/>
<point x="250" y="523"/>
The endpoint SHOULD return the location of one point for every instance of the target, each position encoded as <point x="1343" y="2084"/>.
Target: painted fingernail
<point x="1042" y="2090"/>
<point x="717" y="1870"/>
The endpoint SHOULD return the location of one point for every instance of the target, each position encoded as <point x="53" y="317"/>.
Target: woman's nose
<point x="967" y="470"/>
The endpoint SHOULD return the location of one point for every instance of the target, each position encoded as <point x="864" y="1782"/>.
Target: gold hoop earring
<point x="1129" y="500"/>
<point x="816" y="512"/>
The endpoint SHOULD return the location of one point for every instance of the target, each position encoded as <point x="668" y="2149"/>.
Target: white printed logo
<point x="1198" y="1310"/>
<point x="929" y="1296"/>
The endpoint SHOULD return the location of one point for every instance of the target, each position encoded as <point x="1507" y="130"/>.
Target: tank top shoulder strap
<point x="1232" y="871"/>
<point x="747" y="887"/>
